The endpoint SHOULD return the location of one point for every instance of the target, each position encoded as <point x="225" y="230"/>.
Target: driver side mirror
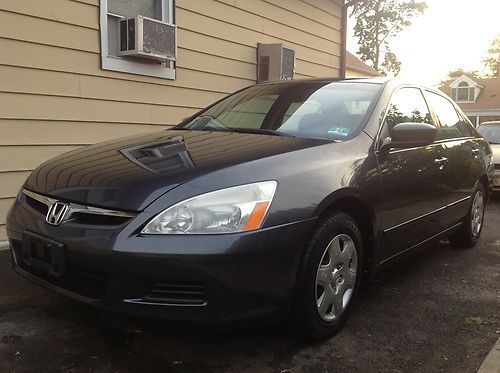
<point x="410" y="135"/>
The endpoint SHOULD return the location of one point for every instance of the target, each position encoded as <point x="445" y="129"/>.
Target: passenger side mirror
<point x="409" y="135"/>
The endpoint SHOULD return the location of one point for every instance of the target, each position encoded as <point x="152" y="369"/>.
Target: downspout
<point x="343" y="40"/>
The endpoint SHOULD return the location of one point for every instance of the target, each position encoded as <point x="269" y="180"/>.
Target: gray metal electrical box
<point x="275" y="62"/>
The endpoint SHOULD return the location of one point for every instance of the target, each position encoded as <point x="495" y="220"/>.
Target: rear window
<point x="327" y="110"/>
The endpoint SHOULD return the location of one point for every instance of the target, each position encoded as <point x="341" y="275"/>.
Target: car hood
<point x="130" y="173"/>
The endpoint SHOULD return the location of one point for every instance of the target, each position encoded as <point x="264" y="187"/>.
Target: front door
<point x="414" y="194"/>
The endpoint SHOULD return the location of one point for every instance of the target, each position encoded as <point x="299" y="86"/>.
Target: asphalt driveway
<point x="437" y="312"/>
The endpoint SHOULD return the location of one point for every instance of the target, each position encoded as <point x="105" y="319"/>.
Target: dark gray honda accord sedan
<point x="270" y="204"/>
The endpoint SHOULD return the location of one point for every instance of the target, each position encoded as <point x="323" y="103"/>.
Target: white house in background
<point x="478" y="98"/>
<point x="465" y="90"/>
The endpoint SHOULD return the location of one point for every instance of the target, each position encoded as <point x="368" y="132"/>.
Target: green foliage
<point x="492" y="61"/>
<point x="491" y="64"/>
<point x="391" y="63"/>
<point x="474" y="74"/>
<point x="377" y="21"/>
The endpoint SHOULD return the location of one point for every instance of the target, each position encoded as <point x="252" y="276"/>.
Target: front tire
<point x="329" y="278"/>
<point x="469" y="232"/>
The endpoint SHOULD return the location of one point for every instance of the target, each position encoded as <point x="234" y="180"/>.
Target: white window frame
<point x="455" y="87"/>
<point x="121" y="64"/>
<point x="467" y="88"/>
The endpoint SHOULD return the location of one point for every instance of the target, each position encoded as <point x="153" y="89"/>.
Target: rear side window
<point x="407" y="105"/>
<point x="451" y="124"/>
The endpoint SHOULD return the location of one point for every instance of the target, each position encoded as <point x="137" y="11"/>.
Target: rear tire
<point x="470" y="231"/>
<point x="329" y="279"/>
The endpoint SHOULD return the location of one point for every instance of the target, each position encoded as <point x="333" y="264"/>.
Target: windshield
<point x="491" y="132"/>
<point x="326" y="110"/>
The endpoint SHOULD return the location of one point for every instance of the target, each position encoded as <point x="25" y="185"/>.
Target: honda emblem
<point x="57" y="212"/>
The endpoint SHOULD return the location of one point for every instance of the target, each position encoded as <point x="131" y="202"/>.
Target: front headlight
<point x="237" y="209"/>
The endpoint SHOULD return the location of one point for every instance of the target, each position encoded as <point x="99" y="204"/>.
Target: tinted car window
<point x="407" y="105"/>
<point x="297" y="110"/>
<point x="451" y="124"/>
<point x="249" y="113"/>
<point x="491" y="132"/>
<point x="327" y="110"/>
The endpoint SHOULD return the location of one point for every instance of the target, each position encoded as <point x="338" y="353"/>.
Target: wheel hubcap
<point x="477" y="213"/>
<point x="336" y="277"/>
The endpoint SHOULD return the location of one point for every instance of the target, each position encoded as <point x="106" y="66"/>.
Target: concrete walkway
<point x="492" y="362"/>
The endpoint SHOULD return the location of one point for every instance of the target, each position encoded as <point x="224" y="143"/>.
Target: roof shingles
<point x="355" y="64"/>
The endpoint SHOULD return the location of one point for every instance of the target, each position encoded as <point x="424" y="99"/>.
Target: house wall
<point x="349" y="73"/>
<point x="54" y="97"/>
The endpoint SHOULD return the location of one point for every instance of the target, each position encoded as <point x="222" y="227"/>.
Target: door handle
<point x="441" y="160"/>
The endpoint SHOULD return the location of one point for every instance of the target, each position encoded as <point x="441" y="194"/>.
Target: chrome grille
<point x="77" y="213"/>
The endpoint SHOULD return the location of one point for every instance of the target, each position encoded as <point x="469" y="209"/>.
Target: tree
<point x="491" y="65"/>
<point x="456" y="73"/>
<point x="492" y="61"/>
<point x="377" y="21"/>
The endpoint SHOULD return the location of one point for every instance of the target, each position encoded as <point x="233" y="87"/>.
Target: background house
<point x="355" y="68"/>
<point x="478" y="98"/>
<point x="63" y="84"/>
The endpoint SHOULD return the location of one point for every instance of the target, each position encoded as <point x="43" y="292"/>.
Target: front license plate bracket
<point x="43" y="254"/>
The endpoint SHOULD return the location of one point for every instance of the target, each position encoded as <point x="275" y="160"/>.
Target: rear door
<point x="464" y="166"/>
<point x="414" y="194"/>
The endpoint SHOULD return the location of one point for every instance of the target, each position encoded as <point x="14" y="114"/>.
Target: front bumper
<point x="213" y="279"/>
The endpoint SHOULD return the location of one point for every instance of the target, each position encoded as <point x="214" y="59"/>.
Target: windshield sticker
<point x="339" y="131"/>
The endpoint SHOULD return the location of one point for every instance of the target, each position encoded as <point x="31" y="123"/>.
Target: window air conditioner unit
<point x="148" y="38"/>
<point x="275" y="62"/>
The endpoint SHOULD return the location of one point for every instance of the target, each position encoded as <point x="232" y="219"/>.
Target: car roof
<point x="377" y="80"/>
<point x="493" y="122"/>
<point x="392" y="82"/>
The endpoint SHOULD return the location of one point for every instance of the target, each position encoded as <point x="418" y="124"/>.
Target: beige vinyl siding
<point x="55" y="97"/>
<point x="11" y="181"/>
<point x="5" y="204"/>
<point x="354" y="73"/>
<point x="50" y="132"/>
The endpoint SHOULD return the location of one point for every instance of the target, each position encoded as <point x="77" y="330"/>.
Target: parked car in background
<point x="271" y="204"/>
<point x="491" y="132"/>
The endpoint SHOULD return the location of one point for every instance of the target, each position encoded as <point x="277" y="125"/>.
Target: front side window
<point x="113" y="42"/>
<point x="407" y="105"/>
<point x="451" y="124"/>
<point x="323" y="110"/>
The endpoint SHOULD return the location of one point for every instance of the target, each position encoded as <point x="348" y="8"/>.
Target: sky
<point x="450" y="34"/>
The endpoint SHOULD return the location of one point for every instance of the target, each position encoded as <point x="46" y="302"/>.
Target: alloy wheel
<point x="477" y="213"/>
<point x="336" y="277"/>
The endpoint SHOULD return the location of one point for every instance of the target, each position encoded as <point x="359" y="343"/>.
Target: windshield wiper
<point x="259" y="131"/>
